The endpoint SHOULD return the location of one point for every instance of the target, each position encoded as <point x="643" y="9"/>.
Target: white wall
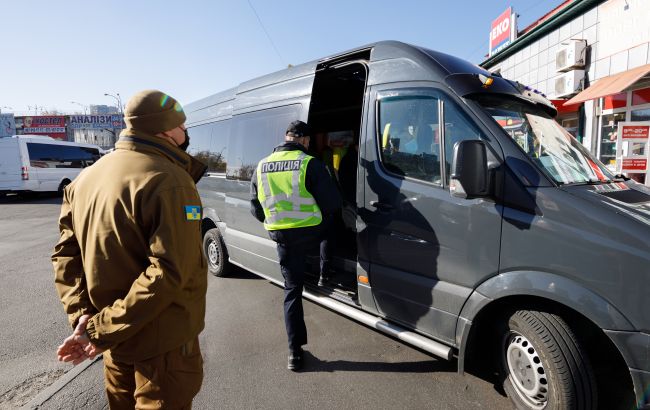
<point x="104" y="138"/>
<point x="617" y="32"/>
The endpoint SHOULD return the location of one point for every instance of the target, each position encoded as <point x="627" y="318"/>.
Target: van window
<point x="208" y="144"/>
<point x="409" y="137"/>
<point x="61" y="156"/>
<point x="254" y="136"/>
<point x="457" y="128"/>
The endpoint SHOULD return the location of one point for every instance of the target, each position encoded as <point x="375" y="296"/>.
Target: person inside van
<point x="326" y="155"/>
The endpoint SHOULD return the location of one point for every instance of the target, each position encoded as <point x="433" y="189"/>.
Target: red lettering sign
<point x="636" y="132"/>
<point x="53" y="126"/>
<point x="500" y="30"/>
<point x="634" y="164"/>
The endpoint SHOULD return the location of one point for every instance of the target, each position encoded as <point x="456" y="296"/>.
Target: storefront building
<point x="102" y="130"/>
<point x="592" y="58"/>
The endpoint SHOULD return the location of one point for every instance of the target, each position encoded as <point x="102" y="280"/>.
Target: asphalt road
<point x="244" y="344"/>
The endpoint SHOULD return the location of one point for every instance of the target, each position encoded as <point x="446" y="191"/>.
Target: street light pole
<point x="118" y="100"/>
<point x="83" y="105"/>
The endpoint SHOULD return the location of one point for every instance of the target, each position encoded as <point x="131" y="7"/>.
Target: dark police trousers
<point x="292" y="264"/>
<point x="292" y="245"/>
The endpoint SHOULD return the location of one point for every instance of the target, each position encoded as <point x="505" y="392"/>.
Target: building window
<point x="608" y="129"/>
<point x="640" y="97"/>
<point x="571" y="125"/>
<point x="612" y="102"/>
<point x="641" y="115"/>
<point x="627" y="106"/>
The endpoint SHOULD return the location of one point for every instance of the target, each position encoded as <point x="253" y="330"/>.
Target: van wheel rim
<point x="213" y="253"/>
<point x="526" y="372"/>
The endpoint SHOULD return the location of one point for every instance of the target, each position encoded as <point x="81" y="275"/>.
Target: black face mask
<point x="185" y="144"/>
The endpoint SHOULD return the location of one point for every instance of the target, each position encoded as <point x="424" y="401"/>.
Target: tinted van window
<point x="208" y="143"/>
<point x="253" y="137"/>
<point x="409" y="137"/>
<point x="61" y="156"/>
<point x="457" y="128"/>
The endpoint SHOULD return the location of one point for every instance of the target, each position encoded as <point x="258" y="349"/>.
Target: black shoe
<point x="295" y="360"/>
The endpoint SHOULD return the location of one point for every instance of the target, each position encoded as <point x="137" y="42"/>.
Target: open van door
<point x="426" y="248"/>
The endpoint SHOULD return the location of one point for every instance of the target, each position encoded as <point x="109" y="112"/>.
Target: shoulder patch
<point x="192" y="213"/>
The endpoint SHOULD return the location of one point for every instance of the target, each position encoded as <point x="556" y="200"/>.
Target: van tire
<point x="543" y="365"/>
<point x="62" y="186"/>
<point x="215" y="253"/>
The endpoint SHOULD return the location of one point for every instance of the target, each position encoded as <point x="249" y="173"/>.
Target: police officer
<point x="295" y="197"/>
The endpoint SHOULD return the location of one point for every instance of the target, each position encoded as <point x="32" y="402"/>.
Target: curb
<point x="54" y="388"/>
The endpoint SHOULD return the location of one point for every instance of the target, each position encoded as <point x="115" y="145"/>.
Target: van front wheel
<point x="543" y="365"/>
<point x="214" y="250"/>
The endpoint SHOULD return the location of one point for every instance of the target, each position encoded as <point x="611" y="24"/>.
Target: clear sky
<point x="55" y="52"/>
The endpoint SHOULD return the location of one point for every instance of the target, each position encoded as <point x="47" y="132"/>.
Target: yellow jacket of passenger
<point x="130" y="249"/>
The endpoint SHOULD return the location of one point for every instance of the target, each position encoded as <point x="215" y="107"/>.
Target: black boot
<point x="323" y="279"/>
<point x="296" y="358"/>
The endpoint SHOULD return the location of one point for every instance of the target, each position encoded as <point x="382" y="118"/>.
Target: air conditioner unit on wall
<point x="571" y="54"/>
<point x="569" y="83"/>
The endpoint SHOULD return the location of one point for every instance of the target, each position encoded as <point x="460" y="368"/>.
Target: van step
<point x="383" y="326"/>
<point x="407" y="336"/>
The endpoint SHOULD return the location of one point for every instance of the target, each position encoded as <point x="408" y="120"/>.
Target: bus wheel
<point x="543" y="365"/>
<point x="214" y="250"/>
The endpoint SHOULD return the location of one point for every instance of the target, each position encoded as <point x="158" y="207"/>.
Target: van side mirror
<point x="469" y="170"/>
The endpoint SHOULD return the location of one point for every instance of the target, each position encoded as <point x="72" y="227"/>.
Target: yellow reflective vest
<point x="282" y="193"/>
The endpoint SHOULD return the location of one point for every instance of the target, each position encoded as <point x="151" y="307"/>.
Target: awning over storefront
<point x="565" y="109"/>
<point x="613" y="84"/>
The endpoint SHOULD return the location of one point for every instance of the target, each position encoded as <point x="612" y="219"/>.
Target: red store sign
<point x="50" y="125"/>
<point x="501" y="31"/>
<point x="635" y="164"/>
<point x="636" y="132"/>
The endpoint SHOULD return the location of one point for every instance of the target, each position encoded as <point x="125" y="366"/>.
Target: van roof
<point x="390" y="61"/>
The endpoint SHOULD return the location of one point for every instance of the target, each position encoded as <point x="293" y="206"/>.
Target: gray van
<point x="480" y="230"/>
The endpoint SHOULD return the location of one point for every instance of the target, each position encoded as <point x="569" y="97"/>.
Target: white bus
<point x="34" y="163"/>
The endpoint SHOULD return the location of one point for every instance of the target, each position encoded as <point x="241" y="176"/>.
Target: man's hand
<point x="77" y="347"/>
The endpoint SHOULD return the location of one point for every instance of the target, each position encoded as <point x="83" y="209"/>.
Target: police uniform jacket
<point x="320" y="185"/>
<point x="130" y="250"/>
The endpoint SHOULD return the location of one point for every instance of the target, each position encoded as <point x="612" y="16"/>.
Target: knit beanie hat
<point x="153" y="112"/>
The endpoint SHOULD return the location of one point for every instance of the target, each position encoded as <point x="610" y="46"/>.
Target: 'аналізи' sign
<point x="95" y="122"/>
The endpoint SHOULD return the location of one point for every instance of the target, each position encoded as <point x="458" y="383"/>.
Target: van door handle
<point x="382" y="206"/>
<point x="406" y="237"/>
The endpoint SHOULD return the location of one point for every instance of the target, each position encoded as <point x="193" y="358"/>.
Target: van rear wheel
<point x="62" y="186"/>
<point x="543" y="364"/>
<point x="214" y="250"/>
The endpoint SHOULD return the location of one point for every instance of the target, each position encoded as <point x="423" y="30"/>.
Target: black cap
<point x="298" y="129"/>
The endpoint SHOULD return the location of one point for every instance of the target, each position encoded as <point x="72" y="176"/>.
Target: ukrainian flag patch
<point x="192" y="213"/>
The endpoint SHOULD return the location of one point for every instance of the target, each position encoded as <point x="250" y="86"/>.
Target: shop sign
<point x="632" y="149"/>
<point x="634" y="164"/>
<point x="635" y="132"/>
<point x="503" y="31"/>
<point x="95" y="122"/>
<point x="7" y="125"/>
<point x="50" y="125"/>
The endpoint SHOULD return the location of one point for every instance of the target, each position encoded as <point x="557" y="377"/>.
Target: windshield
<point x="549" y="145"/>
